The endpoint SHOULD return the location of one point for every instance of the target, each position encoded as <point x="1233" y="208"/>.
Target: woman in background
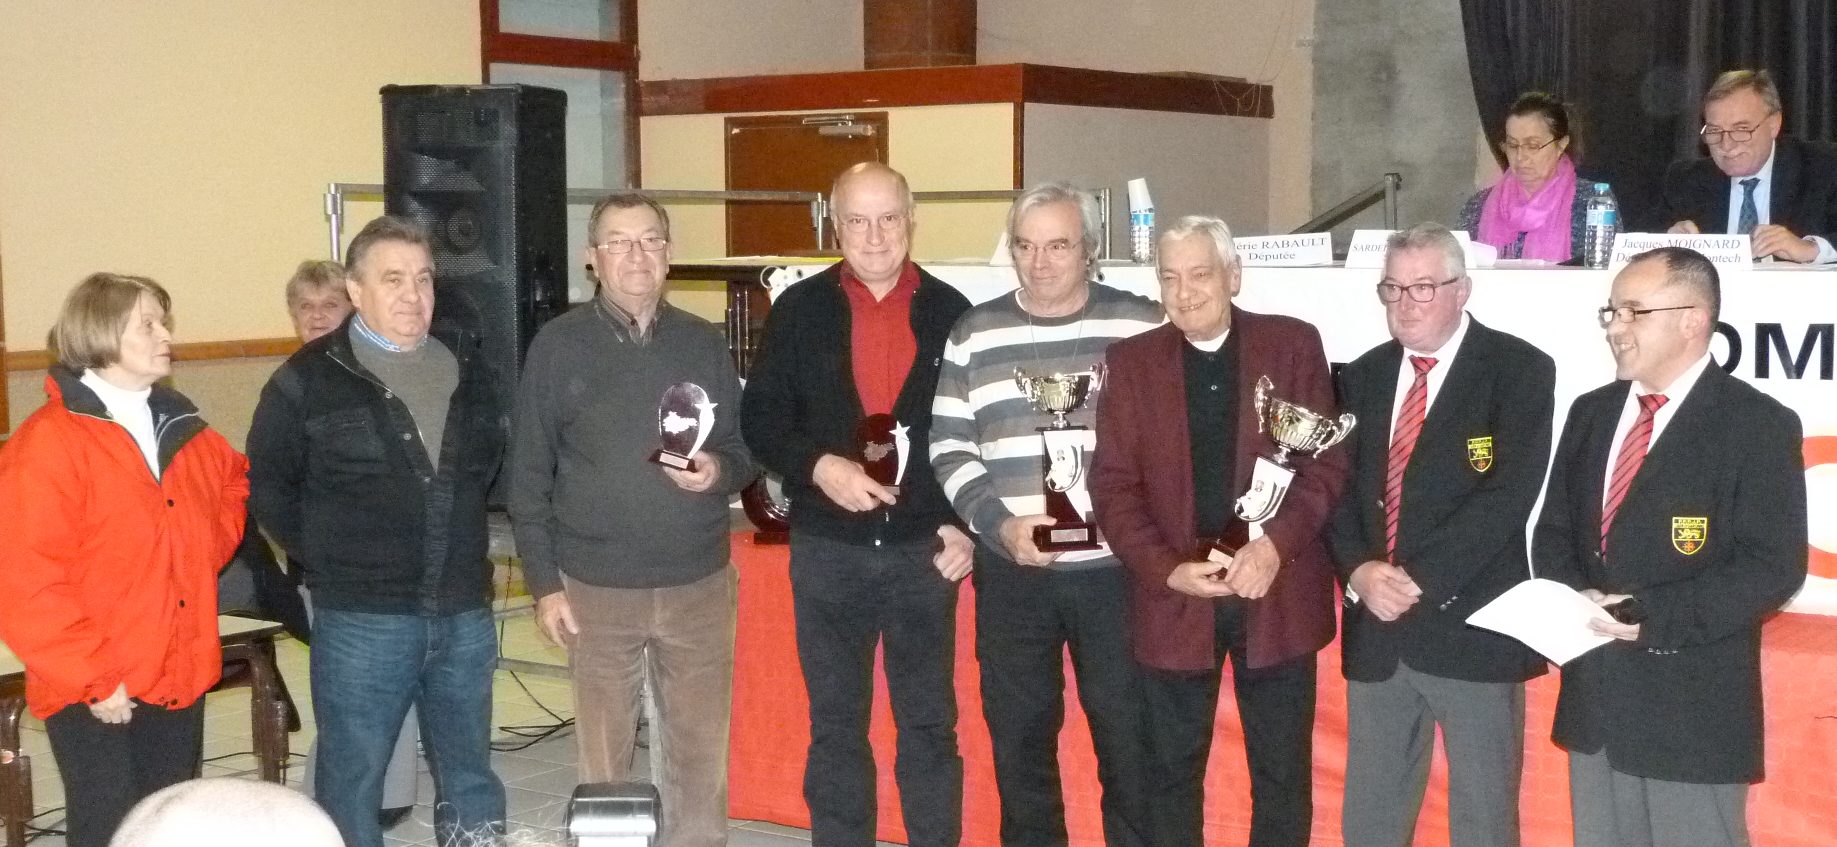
<point x="118" y="505"/>
<point x="1537" y="208"/>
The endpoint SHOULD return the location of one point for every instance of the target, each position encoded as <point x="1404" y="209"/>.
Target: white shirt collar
<point x="1676" y="391"/>
<point x="1212" y="346"/>
<point x="1765" y="173"/>
<point x="1445" y="354"/>
<point x="114" y="396"/>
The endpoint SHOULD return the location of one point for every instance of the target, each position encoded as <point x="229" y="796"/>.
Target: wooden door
<point x="792" y="153"/>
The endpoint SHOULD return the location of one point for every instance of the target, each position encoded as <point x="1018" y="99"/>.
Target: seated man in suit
<point x="1782" y="191"/>
<point x="1448" y="457"/>
<point x="1677" y="501"/>
<point x="1177" y="441"/>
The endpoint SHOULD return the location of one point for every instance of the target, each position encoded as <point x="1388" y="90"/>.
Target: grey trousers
<point x="1390" y="730"/>
<point x="1614" y="809"/>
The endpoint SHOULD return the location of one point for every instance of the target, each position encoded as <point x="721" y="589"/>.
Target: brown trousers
<point x="684" y="635"/>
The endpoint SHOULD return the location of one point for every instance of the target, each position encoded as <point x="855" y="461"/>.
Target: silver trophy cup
<point x="1293" y="429"/>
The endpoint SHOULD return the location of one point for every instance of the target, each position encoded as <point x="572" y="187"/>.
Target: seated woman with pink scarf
<point x="1536" y="210"/>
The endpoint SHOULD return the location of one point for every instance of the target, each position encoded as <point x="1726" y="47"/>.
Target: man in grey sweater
<point x="628" y="558"/>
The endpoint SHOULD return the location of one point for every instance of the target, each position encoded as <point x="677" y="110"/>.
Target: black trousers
<point x="1276" y="706"/>
<point x="1026" y="619"/>
<point x="107" y="768"/>
<point x="848" y="598"/>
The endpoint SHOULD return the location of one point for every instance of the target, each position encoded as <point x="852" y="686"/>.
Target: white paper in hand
<point x="1547" y="616"/>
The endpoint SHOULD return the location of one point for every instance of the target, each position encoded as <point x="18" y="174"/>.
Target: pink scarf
<point x="1543" y="219"/>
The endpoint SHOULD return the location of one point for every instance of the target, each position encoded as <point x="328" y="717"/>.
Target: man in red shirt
<point x="843" y="384"/>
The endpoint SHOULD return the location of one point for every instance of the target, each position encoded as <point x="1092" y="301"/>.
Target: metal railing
<point x="1385" y="190"/>
<point x="337" y="193"/>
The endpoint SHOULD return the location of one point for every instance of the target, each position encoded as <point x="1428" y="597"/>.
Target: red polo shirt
<point x="881" y="344"/>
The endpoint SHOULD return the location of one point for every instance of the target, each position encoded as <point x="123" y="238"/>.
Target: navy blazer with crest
<point x="1710" y="539"/>
<point x="1467" y="497"/>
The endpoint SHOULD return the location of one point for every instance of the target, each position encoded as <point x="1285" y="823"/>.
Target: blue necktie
<point x="1750" y="217"/>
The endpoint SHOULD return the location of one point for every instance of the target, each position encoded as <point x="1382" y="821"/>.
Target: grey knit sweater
<point x="585" y="499"/>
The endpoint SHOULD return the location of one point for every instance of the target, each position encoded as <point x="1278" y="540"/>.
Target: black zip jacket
<point x="801" y="403"/>
<point x="340" y="480"/>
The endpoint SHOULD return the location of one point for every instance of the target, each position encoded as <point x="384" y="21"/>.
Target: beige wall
<point x="1267" y="41"/>
<point x="1193" y="163"/>
<point x="191" y="140"/>
<point x="225" y="391"/>
<point x="938" y="148"/>
<point x="691" y="39"/>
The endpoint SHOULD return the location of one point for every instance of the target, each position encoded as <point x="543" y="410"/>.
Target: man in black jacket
<point x="1453" y="437"/>
<point x="847" y="372"/>
<point x="1782" y="191"/>
<point x="1677" y="500"/>
<point x="371" y="453"/>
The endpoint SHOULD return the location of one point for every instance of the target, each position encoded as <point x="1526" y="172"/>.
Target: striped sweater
<point x="985" y="441"/>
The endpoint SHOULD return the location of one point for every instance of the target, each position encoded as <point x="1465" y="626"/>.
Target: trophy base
<point x="674" y="460"/>
<point x="1066" y="536"/>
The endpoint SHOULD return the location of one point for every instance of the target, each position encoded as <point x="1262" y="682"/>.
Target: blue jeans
<point x="366" y="669"/>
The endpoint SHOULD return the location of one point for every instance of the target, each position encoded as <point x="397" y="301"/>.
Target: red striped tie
<point x="1632" y="455"/>
<point x="1403" y="443"/>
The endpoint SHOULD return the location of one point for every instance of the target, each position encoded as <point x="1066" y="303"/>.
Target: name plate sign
<point x="1286" y="251"/>
<point x="1367" y="249"/>
<point x="1731" y="254"/>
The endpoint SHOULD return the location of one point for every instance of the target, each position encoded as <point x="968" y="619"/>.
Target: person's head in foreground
<point x="226" y="813"/>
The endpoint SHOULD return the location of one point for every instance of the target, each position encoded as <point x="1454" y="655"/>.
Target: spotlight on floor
<point x="614" y="814"/>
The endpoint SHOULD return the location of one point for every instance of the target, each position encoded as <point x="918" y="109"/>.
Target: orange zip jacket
<point x="108" y="575"/>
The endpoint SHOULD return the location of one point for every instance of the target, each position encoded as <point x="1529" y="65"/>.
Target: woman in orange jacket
<point x="118" y="506"/>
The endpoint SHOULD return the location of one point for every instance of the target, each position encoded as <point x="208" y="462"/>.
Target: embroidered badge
<point x="1480" y="453"/>
<point x="1689" y="534"/>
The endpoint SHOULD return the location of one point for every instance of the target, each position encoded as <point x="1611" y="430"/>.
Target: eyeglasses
<point x="1421" y="292"/>
<point x="1056" y="250"/>
<point x="1627" y="314"/>
<point x="1713" y="135"/>
<point x="859" y="223"/>
<point x="617" y="246"/>
<point x="1513" y="148"/>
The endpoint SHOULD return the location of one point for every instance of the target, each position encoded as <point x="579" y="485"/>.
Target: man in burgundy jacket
<point x="1177" y="442"/>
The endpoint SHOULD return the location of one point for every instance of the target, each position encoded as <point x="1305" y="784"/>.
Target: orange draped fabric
<point x="1795" y="807"/>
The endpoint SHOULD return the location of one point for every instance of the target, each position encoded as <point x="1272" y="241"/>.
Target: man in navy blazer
<point x="1177" y="439"/>
<point x="1676" y="499"/>
<point x="1780" y="190"/>
<point x="1447" y="461"/>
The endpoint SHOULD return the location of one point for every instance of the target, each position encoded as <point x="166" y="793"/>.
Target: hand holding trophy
<point x="685" y="417"/>
<point x="882" y="447"/>
<point x="1294" y="429"/>
<point x="1063" y="470"/>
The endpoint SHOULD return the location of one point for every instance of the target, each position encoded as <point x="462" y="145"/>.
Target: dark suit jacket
<point x="1682" y="703"/>
<point x="1461" y="534"/>
<point x="1803" y="197"/>
<point x="1142" y="487"/>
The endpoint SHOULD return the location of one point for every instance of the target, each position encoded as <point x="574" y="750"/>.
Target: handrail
<point x="337" y="192"/>
<point x="1385" y="189"/>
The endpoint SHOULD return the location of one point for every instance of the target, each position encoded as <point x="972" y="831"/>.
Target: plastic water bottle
<point x="1142" y="236"/>
<point x="1603" y="222"/>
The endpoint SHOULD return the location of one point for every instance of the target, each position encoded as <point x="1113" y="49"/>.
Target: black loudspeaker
<point x="483" y="168"/>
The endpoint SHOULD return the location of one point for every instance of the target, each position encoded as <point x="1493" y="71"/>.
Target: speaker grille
<point x="483" y="169"/>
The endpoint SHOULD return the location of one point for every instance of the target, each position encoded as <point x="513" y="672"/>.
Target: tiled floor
<point x="538" y="780"/>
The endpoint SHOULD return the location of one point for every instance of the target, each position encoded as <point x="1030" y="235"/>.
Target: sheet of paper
<point x="1547" y="616"/>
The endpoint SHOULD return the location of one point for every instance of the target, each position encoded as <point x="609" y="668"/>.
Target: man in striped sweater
<point x="1032" y="605"/>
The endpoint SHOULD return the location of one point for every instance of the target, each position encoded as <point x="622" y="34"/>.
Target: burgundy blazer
<point x="1142" y="487"/>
